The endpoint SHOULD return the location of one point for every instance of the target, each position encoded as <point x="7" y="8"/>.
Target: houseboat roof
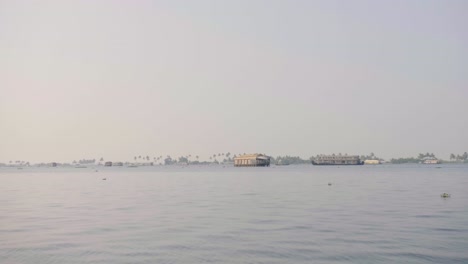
<point x="337" y="157"/>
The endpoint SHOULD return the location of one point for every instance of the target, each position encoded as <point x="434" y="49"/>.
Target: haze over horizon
<point x="115" y="79"/>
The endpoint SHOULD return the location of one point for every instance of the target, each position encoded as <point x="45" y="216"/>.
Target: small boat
<point x="430" y="160"/>
<point x="104" y="179"/>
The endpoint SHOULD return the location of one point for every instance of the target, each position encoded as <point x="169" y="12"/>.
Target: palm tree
<point x="452" y="156"/>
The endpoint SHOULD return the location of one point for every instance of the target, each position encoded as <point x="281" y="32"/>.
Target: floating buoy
<point x="445" y="195"/>
<point x="329" y="184"/>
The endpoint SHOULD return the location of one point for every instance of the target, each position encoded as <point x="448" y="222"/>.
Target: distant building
<point x="108" y="164"/>
<point x="252" y="160"/>
<point x="118" y="163"/>
<point x="372" y="162"/>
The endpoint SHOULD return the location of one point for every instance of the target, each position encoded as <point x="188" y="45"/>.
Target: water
<point x="289" y="214"/>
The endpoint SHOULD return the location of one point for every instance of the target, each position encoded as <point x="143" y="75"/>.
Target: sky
<point x="115" y="79"/>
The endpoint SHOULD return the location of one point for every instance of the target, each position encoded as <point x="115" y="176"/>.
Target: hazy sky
<point x="115" y="79"/>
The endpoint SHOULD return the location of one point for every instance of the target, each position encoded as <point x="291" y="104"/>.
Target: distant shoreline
<point x="228" y="158"/>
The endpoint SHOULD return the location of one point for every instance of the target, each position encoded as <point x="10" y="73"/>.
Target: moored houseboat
<point x="337" y="160"/>
<point x="252" y="160"/>
<point x="430" y="160"/>
<point x="372" y="162"/>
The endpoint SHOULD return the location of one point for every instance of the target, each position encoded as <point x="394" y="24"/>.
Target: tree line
<point x="218" y="158"/>
<point x="463" y="157"/>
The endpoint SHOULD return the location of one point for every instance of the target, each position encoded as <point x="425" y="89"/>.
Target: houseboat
<point x="430" y="160"/>
<point x="372" y="162"/>
<point x="337" y="160"/>
<point x="252" y="160"/>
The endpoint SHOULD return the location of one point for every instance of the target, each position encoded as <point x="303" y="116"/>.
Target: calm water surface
<point x="289" y="214"/>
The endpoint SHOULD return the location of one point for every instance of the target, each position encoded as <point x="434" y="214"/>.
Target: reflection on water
<point x="370" y="214"/>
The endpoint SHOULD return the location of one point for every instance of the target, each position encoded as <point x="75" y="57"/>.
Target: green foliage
<point x="169" y="161"/>
<point x="404" y="160"/>
<point x="463" y="157"/>
<point x="183" y="160"/>
<point x="286" y="160"/>
<point x="371" y="156"/>
<point x="427" y="155"/>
